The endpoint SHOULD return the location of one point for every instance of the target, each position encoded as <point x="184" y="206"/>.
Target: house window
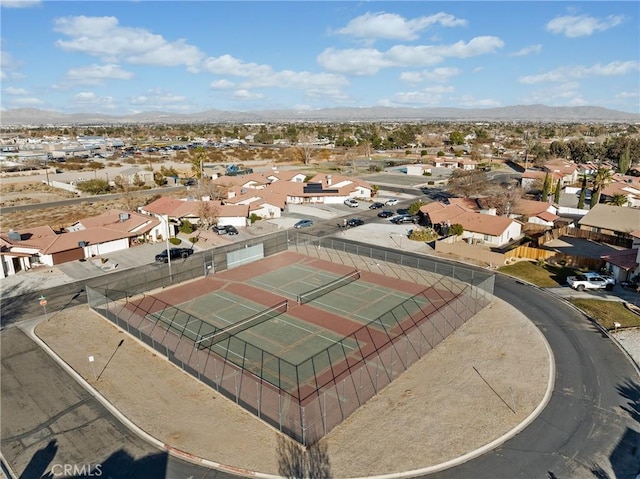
<point x="486" y="237"/>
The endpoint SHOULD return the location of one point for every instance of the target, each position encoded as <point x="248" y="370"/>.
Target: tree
<point x="456" y="229"/>
<point x="467" y="182"/>
<point x="197" y="162"/>
<point x="556" y="195"/>
<point x="618" y="200"/>
<point x="625" y="161"/>
<point x="583" y="193"/>
<point x="546" y="187"/>
<point x="414" y="207"/>
<point x="456" y="138"/>
<point x="208" y="212"/>
<point x="602" y="177"/>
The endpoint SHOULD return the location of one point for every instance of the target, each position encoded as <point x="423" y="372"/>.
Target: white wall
<point x="105" y="248"/>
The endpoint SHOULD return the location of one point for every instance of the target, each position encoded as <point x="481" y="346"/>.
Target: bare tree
<point x="467" y="182"/>
<point x="208" y="213"/>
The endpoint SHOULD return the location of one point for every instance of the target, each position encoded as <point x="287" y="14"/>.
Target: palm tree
<point x="618" y="200"/>
<point x="602" y="177"/>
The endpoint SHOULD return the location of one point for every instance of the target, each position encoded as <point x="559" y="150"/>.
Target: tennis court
<point x="298" y="340"/>
<point x="300" y="313"/>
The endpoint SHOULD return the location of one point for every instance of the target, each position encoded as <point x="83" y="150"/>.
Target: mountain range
<point x="519" y="113"/>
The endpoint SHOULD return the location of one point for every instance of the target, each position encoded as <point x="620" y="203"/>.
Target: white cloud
<point x="95" y="74"/>
<point x="27" y="101"/>
<point x="247" y="95"/>
<point x="439" y="75"/>
<point x="102" y="37"/>
<point x="396" y="27"/>
<point x="8" y="65"/>
<point x="15" y="91"/>
<point x="468" y="101"/>
<point x="527" y="50"/>
<point x="20" y="3"/>
<point x="566" y="94"/>
<point x="221" y="85"/>
<point x="157" y="98"/>
<point x="368" y="61"/>
<point x="431" y="96"/>
<point x="256" y="75"/>
<point x="627" y="94"/>
<point x="582" y="25"/>
<point x="576" y="72"/>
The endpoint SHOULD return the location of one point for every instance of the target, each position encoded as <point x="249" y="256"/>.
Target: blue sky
<point x="180" y="56"/>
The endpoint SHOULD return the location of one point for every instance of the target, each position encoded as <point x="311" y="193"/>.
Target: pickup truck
<point x="584" y="281"/>
<point x="175" y="253"/>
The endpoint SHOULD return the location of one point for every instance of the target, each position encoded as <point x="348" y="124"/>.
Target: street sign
<point x="43" y="302"/>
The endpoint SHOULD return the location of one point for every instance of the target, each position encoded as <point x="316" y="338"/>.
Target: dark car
<point x="174" y="253"/>
<point x="404" y="219"/>
<point x="386" y="214"/>
<point x="303" y="224"/>
<point x="376" y="206"/>
<point x="354" y="222"/>
<point x="231" y="230"/>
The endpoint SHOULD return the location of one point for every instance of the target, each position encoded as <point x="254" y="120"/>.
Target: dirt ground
<point x="440" y="409"/>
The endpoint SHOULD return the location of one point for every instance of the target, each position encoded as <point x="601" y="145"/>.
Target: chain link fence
<point x="307" y="400"/>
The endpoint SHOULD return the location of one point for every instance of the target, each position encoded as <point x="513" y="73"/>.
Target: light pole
<point x="168" y="247"/>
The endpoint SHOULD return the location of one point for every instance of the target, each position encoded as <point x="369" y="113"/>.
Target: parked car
<point x="231" y="230"/>
<point x="584" y="281"/>
<point x="354" y="222"/>
<point x="391" y="202"/>
<point x="303" y="224"/>
<point x="174" y="253"/>
<point x="376" y="206"/>
<point x="220" y="229"/>
<point x="386" y="214"/>
<point x="351" y="203"/>
<point x="404" y="219"/>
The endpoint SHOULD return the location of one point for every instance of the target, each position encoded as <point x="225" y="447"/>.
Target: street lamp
<point x="166" y="221"/>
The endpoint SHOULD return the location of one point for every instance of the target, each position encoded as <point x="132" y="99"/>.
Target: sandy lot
<point x="438" y="410"/>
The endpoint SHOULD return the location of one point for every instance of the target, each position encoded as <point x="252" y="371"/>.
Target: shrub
<point x="254" y="217"/>
<point x="186" y="227"/>
<point x="194" y="239"/>
<point x="423" y="234"/>
<point x="440" y="153"/>
<point x="175" y="241"/>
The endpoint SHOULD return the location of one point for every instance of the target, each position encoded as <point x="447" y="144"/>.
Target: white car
<point x="391" y="202"/>
<point x="351" y="203"/>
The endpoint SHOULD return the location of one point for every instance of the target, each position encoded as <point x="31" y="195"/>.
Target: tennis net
<point x="221" y="334"/>
<point x="327" y="288"/>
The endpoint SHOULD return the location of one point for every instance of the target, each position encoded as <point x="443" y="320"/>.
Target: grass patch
<point x="546" y="276"/>
<point x="607" y="312"/>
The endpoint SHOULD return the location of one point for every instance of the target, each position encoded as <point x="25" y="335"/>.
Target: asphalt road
<point x="588" y="429"/>
<point x="52" y="424"/>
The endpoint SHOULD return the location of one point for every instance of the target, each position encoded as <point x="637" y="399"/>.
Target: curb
<point x="28" y="327"/>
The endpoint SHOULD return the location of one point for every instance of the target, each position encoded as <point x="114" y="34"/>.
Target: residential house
<point x="566" y="171"/>
<point x="172" y="212"/>
<point x="478" y="227"/>
<point x="418" y="169"/>
<point x="535" y="212"/>
<point x="614" y="220"/>
<point x="532" y="179"/>
<point x="112" y="231"/>
<point x="627" y="186"/>
<point x="457" y="162"/>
